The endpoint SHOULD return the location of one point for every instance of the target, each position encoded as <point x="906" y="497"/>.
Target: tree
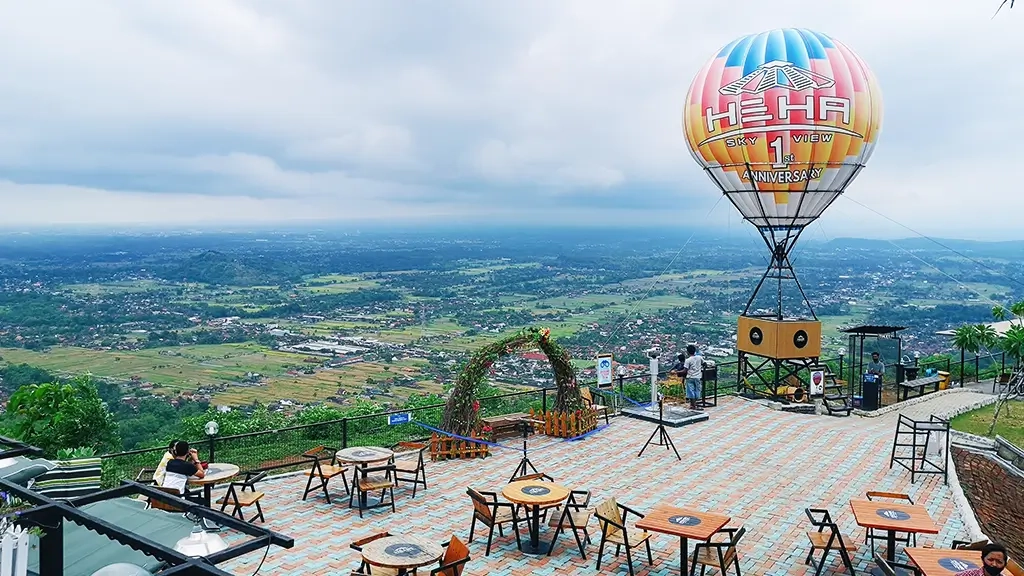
<point x="1012" y="344"/>
<point x="56" y="416"/>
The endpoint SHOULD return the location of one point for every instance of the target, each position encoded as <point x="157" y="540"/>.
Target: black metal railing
<point x="281" y="448"/>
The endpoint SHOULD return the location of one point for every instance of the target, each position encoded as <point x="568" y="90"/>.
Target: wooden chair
<point x="409" y="460"/>
<point x="166" y="506"/>
<point x="968" y="545"/>
<point x="364" y="568"/>
<point x="1014" y="568"/>
<point x="371" y="479"/>
<point x="588" y="400"/>
<point x="145" y="476"/>
<point x="454" y="560"/>
<point x="611" y="516"/>
<point x="895" y="568"/>
<point x="238" y="498"/>
<point x="574" y="516"/>
<point x="323" y="472"/>
<point x="827" y="541"/>
<point x="489" y="511"/>
<point x="902" y="538"/>
<point x="718" y="554"/>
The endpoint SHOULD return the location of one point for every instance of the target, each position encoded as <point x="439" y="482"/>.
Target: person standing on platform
<point x="876" y="366"/>
<point x="693" y="370"/>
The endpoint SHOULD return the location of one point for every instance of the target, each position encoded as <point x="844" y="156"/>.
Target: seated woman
<point x="183" y="466"/>
<point x="161" y="468"/>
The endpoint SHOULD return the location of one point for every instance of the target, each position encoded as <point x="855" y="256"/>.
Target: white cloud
<point x="121" y="111"/>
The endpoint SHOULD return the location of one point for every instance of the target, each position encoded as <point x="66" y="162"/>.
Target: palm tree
<point x="968" y="339"/>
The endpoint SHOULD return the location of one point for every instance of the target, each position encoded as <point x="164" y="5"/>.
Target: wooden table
<point x="215" y="472"/>
<point x="403" y="553"/>
<point x="685" y="523"/>
<point x="534" y="494"/>
<point x="943" y="561"/>
<point x="893" y="518"/>
<point x="362" y="456"/>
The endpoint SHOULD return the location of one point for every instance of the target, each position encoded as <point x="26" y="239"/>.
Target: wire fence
<point x="281" y="449"/>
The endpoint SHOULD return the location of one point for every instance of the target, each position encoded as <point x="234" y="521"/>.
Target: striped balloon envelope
<point x="783" y="121"/>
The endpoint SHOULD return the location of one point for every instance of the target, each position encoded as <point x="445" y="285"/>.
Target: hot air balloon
<point x="782" y="121"/>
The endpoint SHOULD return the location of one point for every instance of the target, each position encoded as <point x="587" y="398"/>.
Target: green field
<point x="1010" y="426"/>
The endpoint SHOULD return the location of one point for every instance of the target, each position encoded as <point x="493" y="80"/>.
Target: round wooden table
<point x="215" y="472"/>
<point x="534" y="494"/>
<point x="361" y="456"/>
<point x="403" y="553"/>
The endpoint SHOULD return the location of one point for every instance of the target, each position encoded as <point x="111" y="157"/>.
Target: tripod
<point x="663" y="438"/>
<point x="524" y="465"/>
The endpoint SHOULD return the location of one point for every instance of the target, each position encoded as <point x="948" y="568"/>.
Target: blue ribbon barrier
<point x="585" y="434"/>
<point x="627" y="398"/>
<point x="477" y="440"/>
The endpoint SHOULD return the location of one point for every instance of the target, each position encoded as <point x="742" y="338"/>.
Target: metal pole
<point x="544" y="400"/>
<point x="654" y="383"/>
<point x="213" y="458"/>
<point x="977" y="368"/>
<point x="344" y="433"/>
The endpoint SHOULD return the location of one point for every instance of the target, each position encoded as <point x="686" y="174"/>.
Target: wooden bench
<point x="919" y="385"/>
<point x="506" y="425"/>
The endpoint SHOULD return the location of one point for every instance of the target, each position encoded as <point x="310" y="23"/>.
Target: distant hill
<point x="1012" y="248"/>
<point x="212" y="267"/>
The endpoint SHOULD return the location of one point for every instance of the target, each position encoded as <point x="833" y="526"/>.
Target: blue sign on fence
<point x="403" y="418"/>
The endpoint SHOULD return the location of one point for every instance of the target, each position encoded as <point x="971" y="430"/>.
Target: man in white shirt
<point x="693" y="370"/>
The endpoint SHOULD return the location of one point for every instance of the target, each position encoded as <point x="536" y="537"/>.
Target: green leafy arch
<point x="460" y="416"/>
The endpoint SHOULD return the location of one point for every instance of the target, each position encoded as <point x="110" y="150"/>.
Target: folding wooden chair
<point x="323" y="472"/>
<point x="492" y="513"/>
<point x="718" y="554"/>
<point x="409" y="461"/>
<point x="574" y="516"/>
<point x="364" y="568"/>
<point x="370" y="480"/>
<point x="611" y="515"/>
<point x="238" y="498"/>
<point x="895" y="568"/>
<point x="827" y="538"/>
<point x="454" y="560"/>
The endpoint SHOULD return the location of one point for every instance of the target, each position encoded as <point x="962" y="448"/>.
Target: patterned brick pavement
<point x="760" y="466"/>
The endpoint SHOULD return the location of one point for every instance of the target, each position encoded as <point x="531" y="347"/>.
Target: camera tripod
<point x="524" y="465"/>
<point x="663" y="438"/>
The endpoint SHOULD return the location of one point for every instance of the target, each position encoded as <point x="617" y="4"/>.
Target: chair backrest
<point x="166" y="506"/>
<point x="454" y="560"/>
<point x="252" y="478"/>
<point x="538" y="477"/>
<point x="145" y="476"/>
<point x="358" y="544"/>
<point x="976" y="545"/>
<point x="481" y="509"/>
<point x="1014" y="568"/>
<point x="824" y="522"/>
<point x="610" y="516"/>
<point x="586" y="395"/>
<point x="70" y="478"/>
<point x="884" y="567"/>
<point x="875" y="495"/>
<point x="736" y="537"/>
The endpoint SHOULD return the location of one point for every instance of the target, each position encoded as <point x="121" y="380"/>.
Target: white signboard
<point x="604" y="371"/>
<point x="817" y="382"/>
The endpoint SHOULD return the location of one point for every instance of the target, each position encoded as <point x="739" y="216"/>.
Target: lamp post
<point x="653" y="354"/>
<point x="211" y="432"/>
<point x="622" y="377"/>
<point x="842" y="353"/>
<point x="917" y="357"/>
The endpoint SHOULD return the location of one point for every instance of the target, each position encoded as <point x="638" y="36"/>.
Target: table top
<point x="943" y="561"/>
<point x="534" y="492"/>
<point x="922" y="381"/>
<point x="892" y="516"/>
<point x="364" y="454"/>
<point x="215" y="472"/>
<point x="682" y="522"/>
<point x="402" y="552"/>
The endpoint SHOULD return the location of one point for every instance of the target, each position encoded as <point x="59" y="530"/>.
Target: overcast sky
<point x="559" y="112"/>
